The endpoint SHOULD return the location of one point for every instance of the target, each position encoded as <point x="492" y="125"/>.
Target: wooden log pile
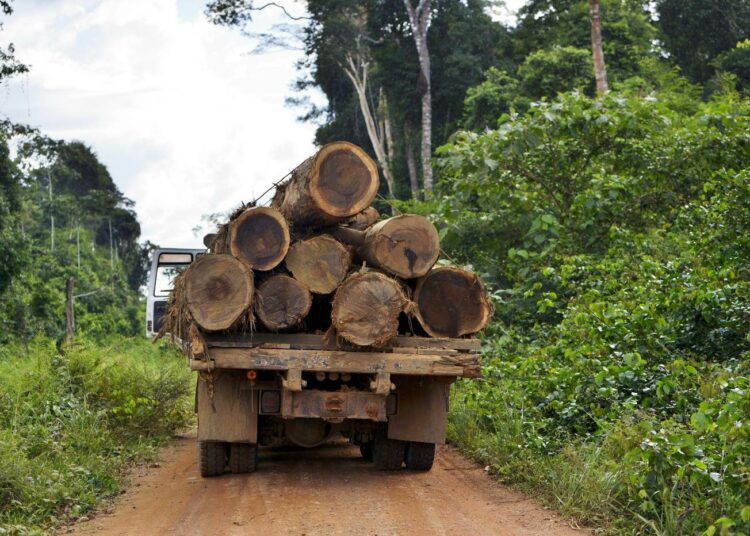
<point x="320" y="258"/>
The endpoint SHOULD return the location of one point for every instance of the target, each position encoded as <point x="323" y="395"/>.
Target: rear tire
<point x="388" y="454"/>
<point x="243" y="457"/>
<point x="365" y="449"/>
<point x="420" y="456"/>
<point x="212" y="458"/>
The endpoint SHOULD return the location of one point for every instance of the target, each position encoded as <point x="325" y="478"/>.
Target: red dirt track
<point x="325" y="491"/>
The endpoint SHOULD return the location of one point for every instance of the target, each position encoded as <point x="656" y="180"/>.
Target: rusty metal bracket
<point x="382" y="385"/>
<point x="293" y="380"/>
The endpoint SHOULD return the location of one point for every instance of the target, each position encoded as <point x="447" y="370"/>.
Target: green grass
<point x="70" y="425"/>
<point x="598" y="481"/>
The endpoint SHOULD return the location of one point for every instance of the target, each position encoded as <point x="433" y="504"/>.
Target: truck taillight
<point x="270" y="402"/>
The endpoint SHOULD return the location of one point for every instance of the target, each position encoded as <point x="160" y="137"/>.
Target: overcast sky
<point x="186" y="121"/>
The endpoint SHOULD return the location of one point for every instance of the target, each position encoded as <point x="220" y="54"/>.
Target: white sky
<point x="185" y="120"/>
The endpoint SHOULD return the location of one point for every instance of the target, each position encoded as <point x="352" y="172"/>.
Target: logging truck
<point x="312" y="318"/>
<point x="272" y="388"/>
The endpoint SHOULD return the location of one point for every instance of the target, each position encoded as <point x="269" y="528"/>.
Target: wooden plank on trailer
<point x="338" y="361"/>
<point x="313" y="341"/>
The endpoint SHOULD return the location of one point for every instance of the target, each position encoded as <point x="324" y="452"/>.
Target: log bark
<point x="218" y="290"/>
<point x="340" y="181"/>
<point x="364" y="219"/>
<point x="597" y="51"/>
<point x="282" y="302"/>
<point x="406" y="246"/>
<point x="320" y="263"/>
<point x="366" y="308"/>
<point x="259" y="237"/>
<point x="451" y="302"/>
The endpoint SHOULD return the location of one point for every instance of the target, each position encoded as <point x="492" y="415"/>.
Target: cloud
<point x="186" y="121"/>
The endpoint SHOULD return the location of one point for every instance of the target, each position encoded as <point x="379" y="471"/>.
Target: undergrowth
<point x="71" y="424"/>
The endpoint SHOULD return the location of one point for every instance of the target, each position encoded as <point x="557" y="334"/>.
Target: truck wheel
<point x="388" y="454"/>
<point x="365" y="449"/>
<point x="212" y="458"/>
<point x="243" y="457"/>
<point x="420" y="456"/>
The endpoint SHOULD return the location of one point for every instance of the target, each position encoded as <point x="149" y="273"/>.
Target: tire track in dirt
<point x="329" y="490"/>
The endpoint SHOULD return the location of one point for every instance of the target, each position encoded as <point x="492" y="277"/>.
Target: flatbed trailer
<point x="268" y="388"/>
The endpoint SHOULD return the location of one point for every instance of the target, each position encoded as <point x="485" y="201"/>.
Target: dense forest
<point x="591" y="160"/>
<point x="608" y="206"/>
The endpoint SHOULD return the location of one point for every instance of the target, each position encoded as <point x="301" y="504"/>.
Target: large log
<point x="451" y="302"/>
<point x="406" y="246"/>
<point x="364" y="219"/>
<point x="321" y="263"/>
<point x="218" y="290"/>
<point x="330" y="187"/>
<point x="366" y="308"/>
<point x="282" y="302"/>
<point x="259" y="237"/>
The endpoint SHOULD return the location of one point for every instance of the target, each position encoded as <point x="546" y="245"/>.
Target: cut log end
<point x="259" y="237"/>
<point x="406" y="246"/>
<point x="451" y="302"/>
<point x="321" y="263"/>
<point x="282" y="302"/>
<point x="218" y="289"/>
<point x="366" y="308"/>
<point x="364" y="219"/>
<point x="344" y="180"/>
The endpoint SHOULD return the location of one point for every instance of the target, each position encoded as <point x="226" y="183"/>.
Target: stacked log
<point x="321" y="258"/>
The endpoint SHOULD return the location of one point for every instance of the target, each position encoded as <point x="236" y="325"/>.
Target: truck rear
<point x="268" y="389"/>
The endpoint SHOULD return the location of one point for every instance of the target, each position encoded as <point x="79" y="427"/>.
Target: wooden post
<point x="70" y="319"/>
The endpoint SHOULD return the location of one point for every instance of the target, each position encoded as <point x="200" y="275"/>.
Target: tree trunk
<point x="451" y="302"/>
<point x="406" y="246"/>
<point x="259" y="237"/>
<point x="218" y="290"/>
<point x="419" y="19"/>
<point x="70" y="315"/>
<point x="282" y="302"/>
<point x="320" y="263"/>
<point x="411" y="163"/>
<point x="357" y="72"/>
<point x="340" y="181"/>
<point x="364" y="219"/>
<point x="366" y="308"/>
<point x="602" y="87"/>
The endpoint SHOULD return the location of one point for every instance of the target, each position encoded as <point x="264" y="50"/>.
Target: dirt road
<point x="324" y="491"/>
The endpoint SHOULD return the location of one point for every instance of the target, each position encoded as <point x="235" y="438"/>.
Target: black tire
<point x="420" y="456"/>
<point x="388" y="454"/>
<point x="212" y="458"/>
<point x="365" y="449"/>
<point x="243" y="457"/>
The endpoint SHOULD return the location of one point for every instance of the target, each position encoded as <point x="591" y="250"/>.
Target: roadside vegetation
<point x="72" y="423"/>
<point x="615" y="232"/>
<point x="613" y="228"/>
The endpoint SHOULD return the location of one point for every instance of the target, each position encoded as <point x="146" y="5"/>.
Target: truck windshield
<point x="170" y="266"/>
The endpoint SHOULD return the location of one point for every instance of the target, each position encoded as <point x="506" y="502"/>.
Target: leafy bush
<point x="70" y="424"/>
<point x="614" y="232"/>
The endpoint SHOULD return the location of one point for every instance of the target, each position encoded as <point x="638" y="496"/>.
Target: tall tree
<point x="695" y="32"/>
<point x="419" y="19"/>
<point x="597" y="51"/>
